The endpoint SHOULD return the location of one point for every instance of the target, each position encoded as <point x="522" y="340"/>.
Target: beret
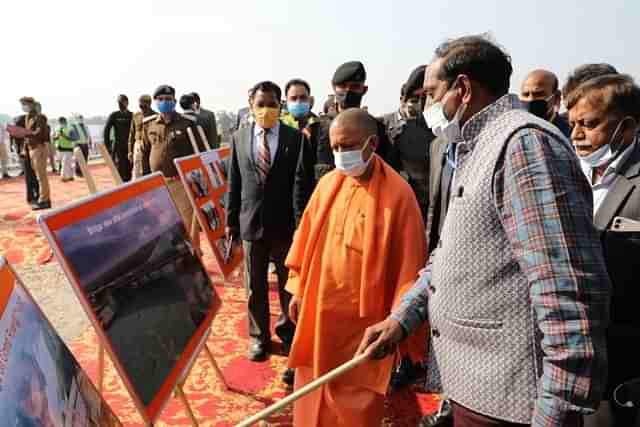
<point x="164" y="90"/>
<point x="415" y="80"/>
<point x="145" y="98"/>
<point x="349" y="72"/>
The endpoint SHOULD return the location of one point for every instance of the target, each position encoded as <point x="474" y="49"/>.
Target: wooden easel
<point x="179" y="387"/>
<point x="195" y="228"/>
<point x="84" y="167"/>
<point x="82" y="163"/>
<point x="117" y="179"/>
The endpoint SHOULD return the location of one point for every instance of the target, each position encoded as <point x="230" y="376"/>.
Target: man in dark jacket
<point x="207" y="119"/>
<point x="260" y="210"/>
<point x="120" y="122"/>
<point x="349" y="87"/>
<point x="411" y="138"/>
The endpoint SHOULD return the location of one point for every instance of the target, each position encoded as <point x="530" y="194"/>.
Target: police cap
<point x="164" y="90"/>
<point x="349" y="72"/>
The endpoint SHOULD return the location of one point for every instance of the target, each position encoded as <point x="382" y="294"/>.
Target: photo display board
<point x="41" y="383"/>
<point x="134" y="269"/>
<point x="204" y="176"/>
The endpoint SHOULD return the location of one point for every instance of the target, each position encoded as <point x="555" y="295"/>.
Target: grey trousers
<point x="257" y="255"/>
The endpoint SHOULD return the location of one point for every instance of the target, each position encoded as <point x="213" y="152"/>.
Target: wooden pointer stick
<point x="305" y="390"/>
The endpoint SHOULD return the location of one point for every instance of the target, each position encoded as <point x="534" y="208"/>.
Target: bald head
<point x="356" y="120"/>
<point x="539" y="84"/>
<point x="351" y="129"/>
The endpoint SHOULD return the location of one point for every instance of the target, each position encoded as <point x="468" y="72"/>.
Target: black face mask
<point x="538" y="107"/>
<point x="349" y="99"/>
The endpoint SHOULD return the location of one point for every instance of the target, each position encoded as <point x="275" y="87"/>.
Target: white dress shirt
<point x="601" y="188"/>
<point x="272" y="140"/>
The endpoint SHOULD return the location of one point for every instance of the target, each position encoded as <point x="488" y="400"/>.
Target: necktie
<point x="264" y="157"/>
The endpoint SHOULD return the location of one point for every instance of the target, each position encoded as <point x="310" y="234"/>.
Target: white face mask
<point x="352" y="163"/>
<point x="604" y="155"/>
<point x="441" y="126"/>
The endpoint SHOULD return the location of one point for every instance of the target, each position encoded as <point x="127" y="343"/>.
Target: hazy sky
<point x="77" y="55"/>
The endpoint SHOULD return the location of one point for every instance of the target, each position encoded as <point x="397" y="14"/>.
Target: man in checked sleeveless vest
<point x="516" y="292"/>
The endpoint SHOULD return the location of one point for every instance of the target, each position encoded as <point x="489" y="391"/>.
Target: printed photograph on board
<point x="143" y="281"/>
<point x="198" y="183"/>
<point x="212" y="215"/>
<point x="41" y="383"/>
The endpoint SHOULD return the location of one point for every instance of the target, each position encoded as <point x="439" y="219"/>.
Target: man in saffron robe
<point x="358" y="247"/>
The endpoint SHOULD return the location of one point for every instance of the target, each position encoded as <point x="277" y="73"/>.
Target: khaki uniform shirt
<point x="38" y="124"/>
<point x="163" y="142"/>
<point x="135" y="133"/>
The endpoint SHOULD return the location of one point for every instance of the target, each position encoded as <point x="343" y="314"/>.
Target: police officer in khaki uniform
<point x="35" y="144"/>
<point x="165" y="138"/>
<point x="146" y="113"/>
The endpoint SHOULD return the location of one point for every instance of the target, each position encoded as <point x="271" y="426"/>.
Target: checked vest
<point x="485" y="351"/>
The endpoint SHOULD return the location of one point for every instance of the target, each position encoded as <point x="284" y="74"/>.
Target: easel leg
<point x="185" y="402"/>
<point x="100" y="367"/>
<point x="216" y="367"/>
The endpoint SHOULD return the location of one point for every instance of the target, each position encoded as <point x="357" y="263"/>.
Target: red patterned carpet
<point x="254" y="385"/>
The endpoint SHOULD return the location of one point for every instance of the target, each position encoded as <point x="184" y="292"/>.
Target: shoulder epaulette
<point x="189" y="117"/>
<point x="149" y="118"/>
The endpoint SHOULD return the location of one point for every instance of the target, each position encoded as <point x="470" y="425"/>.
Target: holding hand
<point x="381" y="339"/>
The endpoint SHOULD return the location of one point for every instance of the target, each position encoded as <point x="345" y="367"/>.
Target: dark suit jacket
<point x="208" y="123"/>
<point x="622" y="258"/>
<point x="622" y="250"/>
<point x="254" y="209"/>
<point x="436" y="209"/>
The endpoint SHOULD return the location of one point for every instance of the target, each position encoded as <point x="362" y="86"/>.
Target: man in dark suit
<point x="441" y="169"/>
<point x="208" y="121"/>
<point x="605" y="115"/>
<point x="262" y="181"/>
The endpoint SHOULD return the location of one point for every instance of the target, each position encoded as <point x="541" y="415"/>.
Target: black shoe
<point x="289" y="376"/>
<point x="6" y="176"/>
<point x="258" y="351"/>
<point x="41" y="205"/>
<point x="21" y="173"/>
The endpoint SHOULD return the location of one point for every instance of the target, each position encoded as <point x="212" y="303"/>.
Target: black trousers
<point x="85" y="151"/>
<point x="31" y="181"/>
<point x="121" y="159"/>
<point x="257" y="255"/>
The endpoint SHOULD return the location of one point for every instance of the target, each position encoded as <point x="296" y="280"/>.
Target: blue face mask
<point x="298" y="109"/>
<point x="166" y="106"/>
